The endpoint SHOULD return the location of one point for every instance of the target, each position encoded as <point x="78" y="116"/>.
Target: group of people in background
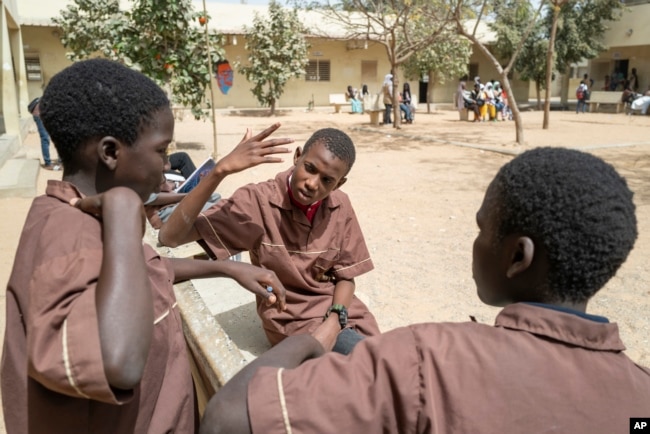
<point x="488" y="102"/>
<point x="405" y="100"/>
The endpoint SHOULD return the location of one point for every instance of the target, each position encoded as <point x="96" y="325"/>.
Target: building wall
<point x="43" y="43"/>
<point x="629" y="45"/>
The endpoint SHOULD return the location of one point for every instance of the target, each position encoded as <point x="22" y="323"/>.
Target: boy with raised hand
<point x="300" y="225"/>
<point x="94" y="340"/>
<point x="555" y="226"/>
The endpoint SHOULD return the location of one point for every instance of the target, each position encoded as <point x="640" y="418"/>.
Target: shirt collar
<point x="561" y="326"/>
<point x="308" y="210"/>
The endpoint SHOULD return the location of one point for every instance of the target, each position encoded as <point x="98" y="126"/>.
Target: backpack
<point x="32" y="105"/>
<point x="579" y="93"/>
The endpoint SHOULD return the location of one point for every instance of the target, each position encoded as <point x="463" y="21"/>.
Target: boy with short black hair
<point x="94" y="340"/>
<point x="300" y="225"/>
<point x="555" y="226"/>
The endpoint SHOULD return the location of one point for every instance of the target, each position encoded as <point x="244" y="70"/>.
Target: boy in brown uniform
<point x="555" y="226"/>
<point x="94" y="340"/>
<point x="299" y="225"/>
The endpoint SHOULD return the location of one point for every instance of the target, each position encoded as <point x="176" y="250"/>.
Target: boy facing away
<point x="299" y="225"/>
<point x="555" y="225"/>
<point x="94" y="340"/>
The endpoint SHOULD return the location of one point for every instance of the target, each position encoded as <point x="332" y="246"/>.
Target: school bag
<point x="579" y="92"/>
<point x="32" y="105"/>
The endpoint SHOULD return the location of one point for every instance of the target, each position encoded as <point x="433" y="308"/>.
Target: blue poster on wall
<point x="224" y="75"/>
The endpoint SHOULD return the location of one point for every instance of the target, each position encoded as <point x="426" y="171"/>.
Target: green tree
<point x="479" y="9"/>
<point x="160" y="38"/>
<point x="277" y="52"/>
<point x="511" y="19"/>
<point x="446" y="59"/>
<point x="402" y="27"/>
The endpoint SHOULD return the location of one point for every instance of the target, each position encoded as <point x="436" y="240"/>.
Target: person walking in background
<point x="581" y="97"/>
<point x="35" y="111"/>
<point x="387" y="92"/>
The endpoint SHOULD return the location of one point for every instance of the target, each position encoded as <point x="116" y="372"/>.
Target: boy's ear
<point x="341" y="182"/>
<point x="108" y="149"/>
<point x="297" y="155"/>
<point x="522" y="253"/>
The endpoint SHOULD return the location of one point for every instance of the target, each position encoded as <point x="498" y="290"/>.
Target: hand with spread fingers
<point x="254" y="150"/>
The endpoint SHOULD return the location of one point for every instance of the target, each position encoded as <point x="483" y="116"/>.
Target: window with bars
<point x="318" y="70"/>
<point x="33" y="68"/>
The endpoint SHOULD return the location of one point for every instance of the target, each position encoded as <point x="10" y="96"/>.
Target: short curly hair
<point x="336" y="141"/>
<point x="97" y="98"/>
<point x="578" y="207"/>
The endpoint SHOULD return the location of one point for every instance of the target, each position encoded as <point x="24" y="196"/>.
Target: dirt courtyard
<point x="416" y="192"/>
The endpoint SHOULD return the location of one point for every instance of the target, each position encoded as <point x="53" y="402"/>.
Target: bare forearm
<point x="343" y="292"/>
<point x="123" y="295"/>
<point x="227" y="411"/>
<point x="179" y="228"/>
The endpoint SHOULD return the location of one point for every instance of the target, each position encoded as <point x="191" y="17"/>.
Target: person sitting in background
<point x="181" y="162"/>
<point x="465" y="100"/>
<point x="408" y="99"/>
<point x="352" y="95"/>
<point x="405" y="109"/>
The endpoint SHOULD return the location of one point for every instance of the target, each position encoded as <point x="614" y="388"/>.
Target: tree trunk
<point x="397" y="118"/>
<point x="549" y="63"/>
<point x="272" y="108"/>
<point x="538" y="91"/>
<point x="516" y="115"/>
<point x="431" y="73"/>
<point x="565" y="88"/>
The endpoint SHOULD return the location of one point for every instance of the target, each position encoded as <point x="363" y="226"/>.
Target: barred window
<point x="318" y="70"/>
<point x="33" y="68"/>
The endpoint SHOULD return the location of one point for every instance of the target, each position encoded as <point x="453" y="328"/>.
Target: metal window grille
<point x="318" y="70"/>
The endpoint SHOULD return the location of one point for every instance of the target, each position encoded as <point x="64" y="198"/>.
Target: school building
<point x="32" y="53"/>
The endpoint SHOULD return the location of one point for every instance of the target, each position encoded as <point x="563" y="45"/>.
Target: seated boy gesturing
<point x="299" y="225"/>
<point x="94" y="341"/>
<point x="555" y="225"/>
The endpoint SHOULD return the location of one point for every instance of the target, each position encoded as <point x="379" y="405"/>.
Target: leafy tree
<point x="157" y="37"/>
<point x="575" y="27"/>
<point x="446" y="59"/>
<point x="481" y="7"/>
<point x="403" y="27"/>
<point x="277" y="52"/>
<point x="511" y="19"/>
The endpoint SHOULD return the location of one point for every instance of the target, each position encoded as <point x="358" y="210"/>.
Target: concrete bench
<point x="373" y="108"/>
<point x="338" y="100"/>
<point x="598" y="97"/>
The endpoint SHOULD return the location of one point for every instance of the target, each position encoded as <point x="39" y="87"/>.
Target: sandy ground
<point x="416" y="192"/>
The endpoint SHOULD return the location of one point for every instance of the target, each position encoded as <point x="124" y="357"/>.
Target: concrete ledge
<point x="215" y="358"/>
<point x="9" y="145"/>
<point x="18" y="178"/>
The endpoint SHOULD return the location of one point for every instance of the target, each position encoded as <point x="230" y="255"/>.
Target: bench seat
<point x="598" y="97"/>
<point x="338" y="100"/>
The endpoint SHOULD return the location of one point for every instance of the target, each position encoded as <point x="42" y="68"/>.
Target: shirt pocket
<point x="323" y="268"/>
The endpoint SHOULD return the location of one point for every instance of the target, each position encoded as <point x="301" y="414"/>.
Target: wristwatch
<point x="343" y="314"/>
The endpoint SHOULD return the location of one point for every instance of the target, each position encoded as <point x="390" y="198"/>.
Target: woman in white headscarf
<point x="387" y="90"/>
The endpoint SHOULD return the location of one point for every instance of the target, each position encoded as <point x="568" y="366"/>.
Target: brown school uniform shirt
<point x="261" y="219"/>
<point x="537" y="370"/>
<point x="52" y="370"/>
